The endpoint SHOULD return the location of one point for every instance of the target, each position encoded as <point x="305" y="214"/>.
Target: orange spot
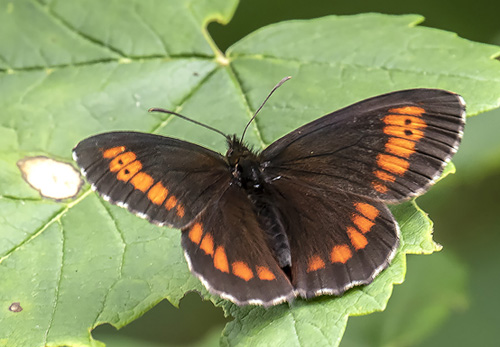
<point x="113" y="152"/>
<point x="207" y="244"/>
<point x="129" y="171"/>
<point x="180" y="211"/>
<point x="121" y="161"/>
<point x="411" y="110"/>
<point x="400" y="147"/>
<point x="195" y="233"/>
<point x="393" y="164"/>
<point x="367" y="210"/>
<point x="358" y="240"/>
<point x="340" y="254"/>
<point x="404" y="132"/>
<point x="315" y="263"/>
<point x="142" y="181"/>
<point x="379" y="187"/>
<point x="158" y="193"/>
<point x="404" y="143"/>
<point x="242" y="270"/>
<point x="399" y="151"/>
<point x="171" y="202"/>
<point x="220" y="260"/>
<point x="405" y="121"/>
<point x="364" y="225"/>
<point x="384" y="176"/>
<point x="265" y="274"/>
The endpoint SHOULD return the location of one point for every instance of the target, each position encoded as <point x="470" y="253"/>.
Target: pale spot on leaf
<point x="53" y="179"/>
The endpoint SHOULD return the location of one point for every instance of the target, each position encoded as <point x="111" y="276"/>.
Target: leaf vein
<point x="363" y="66"/>
<point x="237" y="82"/>
<point x="92" y="40"/>
<point x="183" y="101"/>
<point x="122" y="261"/>
<point x="58" y="285"/>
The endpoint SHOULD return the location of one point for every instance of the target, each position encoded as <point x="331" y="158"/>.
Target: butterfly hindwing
<point x="165" y="180"/>
<point x="226" y="248"/>
<point x="345" y="240"/>
<point x="390" y="147"/>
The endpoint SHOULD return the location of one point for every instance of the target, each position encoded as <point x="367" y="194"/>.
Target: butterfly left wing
<point x="166" y="180"/>
<point x="172" y="182"/>
<point x="227" y="249"/>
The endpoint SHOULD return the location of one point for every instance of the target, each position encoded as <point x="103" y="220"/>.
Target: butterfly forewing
<point x="165" y="180"/>
<point x="390" y="147"/>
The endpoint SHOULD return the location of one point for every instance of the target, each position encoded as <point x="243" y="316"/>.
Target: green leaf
<point x="416" y="308"/>
<point x="85" y="67"/>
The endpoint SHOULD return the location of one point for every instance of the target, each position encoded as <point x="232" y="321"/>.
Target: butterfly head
<point x="244" y="162"/>
<point x="237" y="152"/>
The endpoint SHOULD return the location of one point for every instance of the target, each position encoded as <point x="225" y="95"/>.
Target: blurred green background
<point x="449" y="298"/>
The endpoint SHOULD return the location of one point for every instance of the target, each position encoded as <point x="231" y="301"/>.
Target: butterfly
<point x="304" y="217"/>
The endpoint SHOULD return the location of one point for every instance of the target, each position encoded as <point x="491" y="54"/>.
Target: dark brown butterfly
<point x="304" y="217"/>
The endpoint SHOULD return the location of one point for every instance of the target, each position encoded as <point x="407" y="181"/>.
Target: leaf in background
<point x="416" y="308"/>
<point x="85" y="67"/>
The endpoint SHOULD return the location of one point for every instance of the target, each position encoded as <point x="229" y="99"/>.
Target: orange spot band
<point x="358" y="240"/>
<point x="384" y="176"/>
<point x="367" y="210"/>
<point x="195" y="233"/>
<point x="142" y="181"/>
<point x="171" y="202"/>
<point x="364" y="224"/>
<point x="242" y="270"/>
<point x="379" y="187"/>
<point x="121" y="161"/>
<point x="400" y="147"/>
<point x="180" y="211"/>
<point x="393" y="164"/>
<point x="409" y="122"/>
<point x="410" y="110"/>
<point x="315" y="263"/>
<point x="157" y="194"/>
<point x="404" y="132"/>
<point x="129" y="171"/>
<point x="340" y="254"/>
<point x="113" y="152"/>
<point x="265" y="274"/>
<point x="207" y="244"/>
<point x="220" y="260"/>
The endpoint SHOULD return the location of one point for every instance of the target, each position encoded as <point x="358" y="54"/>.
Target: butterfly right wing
<point x="337" y="240"/>
<point x="390" y="147"/>
<point x="162" y="179"/>
<point x="332" y="177"/>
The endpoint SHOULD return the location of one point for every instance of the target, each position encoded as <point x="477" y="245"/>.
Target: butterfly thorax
<point x="247" y="172"/>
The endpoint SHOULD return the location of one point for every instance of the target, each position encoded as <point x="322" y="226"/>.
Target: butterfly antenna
<point x="271" y="93"/>
<point x="155" y="109"/>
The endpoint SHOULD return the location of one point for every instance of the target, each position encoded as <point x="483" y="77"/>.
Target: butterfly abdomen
<point x="248" y="174"/>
